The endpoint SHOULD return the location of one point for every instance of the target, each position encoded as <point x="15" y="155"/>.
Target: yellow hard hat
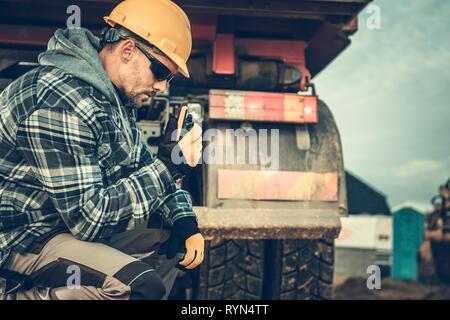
<point x="161" y="22"/>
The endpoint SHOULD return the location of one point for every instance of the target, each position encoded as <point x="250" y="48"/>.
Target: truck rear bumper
<point x="268" y="223"/>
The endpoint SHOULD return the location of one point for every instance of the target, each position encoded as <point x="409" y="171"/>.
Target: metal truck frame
<point x="270" y="233"/>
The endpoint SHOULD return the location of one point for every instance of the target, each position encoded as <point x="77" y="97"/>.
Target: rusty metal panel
<point x="224" y="57"/>
<point x="20" y="35"/>
<point x="262" y="223"/>
<point x="286" y="9"/>
<point x="324" y="155"/>
<point x="277" y="185"/>
<point x="262" y="106"/>
<point x="54" y="11"/>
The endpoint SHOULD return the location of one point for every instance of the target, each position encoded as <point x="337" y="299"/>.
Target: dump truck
<point x="270" y="221"/>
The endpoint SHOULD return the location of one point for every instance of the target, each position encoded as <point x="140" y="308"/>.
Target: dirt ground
<point x="427" y="287"/>
<point x="356" y="289"/>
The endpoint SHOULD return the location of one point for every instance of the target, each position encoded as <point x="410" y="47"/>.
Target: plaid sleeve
<point x="175" y="205"/>
<point x="62" y="152"/>
<point x="145" y="157"/>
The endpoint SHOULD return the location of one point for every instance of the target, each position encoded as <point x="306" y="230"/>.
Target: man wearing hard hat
<point x="86" y="211"/>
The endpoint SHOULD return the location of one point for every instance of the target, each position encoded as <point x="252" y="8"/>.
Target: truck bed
<point x="325" y="25"/>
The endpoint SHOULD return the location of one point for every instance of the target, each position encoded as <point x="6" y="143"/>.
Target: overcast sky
<point x="390" y="94"/>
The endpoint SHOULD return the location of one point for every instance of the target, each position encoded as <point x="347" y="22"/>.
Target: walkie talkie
<point x="184" y="125"/>
<point x="185" y="122"/>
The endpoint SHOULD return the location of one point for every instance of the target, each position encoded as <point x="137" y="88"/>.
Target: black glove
<point x="182" y="229"/>
<point x="172" y="247"/>
<point x="166" y="146"/>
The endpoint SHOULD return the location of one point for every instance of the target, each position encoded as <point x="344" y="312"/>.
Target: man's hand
<point x="190" y="145"/>
<point x="195" y="246"/>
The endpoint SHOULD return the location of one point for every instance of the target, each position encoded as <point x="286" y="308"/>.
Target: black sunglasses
<point x="159" y="70"/>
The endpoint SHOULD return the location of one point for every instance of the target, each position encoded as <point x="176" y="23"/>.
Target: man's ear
<point x="127" y="50"/>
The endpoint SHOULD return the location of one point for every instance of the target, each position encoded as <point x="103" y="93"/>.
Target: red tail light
<point x="262" y="106"/>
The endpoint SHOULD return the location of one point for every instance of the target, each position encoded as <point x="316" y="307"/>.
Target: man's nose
<point x="160" y="86"/>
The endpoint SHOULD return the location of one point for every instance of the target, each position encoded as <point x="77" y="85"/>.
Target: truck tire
<point x="302" y="269"/>
<point x="232" y="269"/>
<point x="265" y="269"/>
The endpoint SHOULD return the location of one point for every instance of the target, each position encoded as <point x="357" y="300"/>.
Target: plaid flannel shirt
<point x="65" y="163"/>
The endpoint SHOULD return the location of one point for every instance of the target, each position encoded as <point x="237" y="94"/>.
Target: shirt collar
<point x="123" y="98"/>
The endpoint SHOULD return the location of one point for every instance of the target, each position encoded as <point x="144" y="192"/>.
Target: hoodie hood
<point x="76" y="52"/>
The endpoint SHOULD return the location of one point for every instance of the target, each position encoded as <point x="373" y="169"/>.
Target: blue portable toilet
<point x="408" y="237"/>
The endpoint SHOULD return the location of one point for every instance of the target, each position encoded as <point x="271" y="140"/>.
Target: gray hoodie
<point x="75" y="51"/>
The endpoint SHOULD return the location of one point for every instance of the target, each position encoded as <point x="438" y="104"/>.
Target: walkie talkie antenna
<point x="181" y="119"/>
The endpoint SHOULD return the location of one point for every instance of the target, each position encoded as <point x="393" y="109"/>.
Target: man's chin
<point x="140" y="100"/>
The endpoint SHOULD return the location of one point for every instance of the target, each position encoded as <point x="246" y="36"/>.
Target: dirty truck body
<point x="271" y="224"/>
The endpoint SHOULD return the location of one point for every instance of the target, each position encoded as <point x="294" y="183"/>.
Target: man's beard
<point x="137" y="101"/>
